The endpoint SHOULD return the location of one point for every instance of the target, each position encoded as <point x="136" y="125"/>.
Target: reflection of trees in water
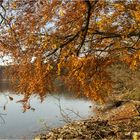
<point x="5" y="86"/>
<point x="61" y="92"/>
<point x="2" y="118"/>
<point x="3" y="108"/>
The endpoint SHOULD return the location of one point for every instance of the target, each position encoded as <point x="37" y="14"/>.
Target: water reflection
<point x="2" y="120"/>
<point x="19" y="125"/>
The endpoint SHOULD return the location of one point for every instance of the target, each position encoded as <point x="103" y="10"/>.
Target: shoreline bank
<point x="115" y="124"/>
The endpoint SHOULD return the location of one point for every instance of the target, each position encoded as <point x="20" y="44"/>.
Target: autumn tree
<point x="71" y="41"/>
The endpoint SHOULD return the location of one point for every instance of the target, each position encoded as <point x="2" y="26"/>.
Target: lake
<point x="54" y="111"/>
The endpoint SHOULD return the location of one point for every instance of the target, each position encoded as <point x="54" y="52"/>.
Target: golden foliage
<point x="74" y="41"/>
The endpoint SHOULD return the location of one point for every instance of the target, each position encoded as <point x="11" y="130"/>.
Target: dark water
<point x="15" y="124"/>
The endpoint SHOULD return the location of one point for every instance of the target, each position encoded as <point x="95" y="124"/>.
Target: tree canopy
<point x="71" y="41"/>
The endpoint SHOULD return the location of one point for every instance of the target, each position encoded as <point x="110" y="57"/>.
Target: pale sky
<point x="5" y="60"/>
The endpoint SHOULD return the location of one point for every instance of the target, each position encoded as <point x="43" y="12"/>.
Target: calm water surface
<point x="15" y="124"/>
